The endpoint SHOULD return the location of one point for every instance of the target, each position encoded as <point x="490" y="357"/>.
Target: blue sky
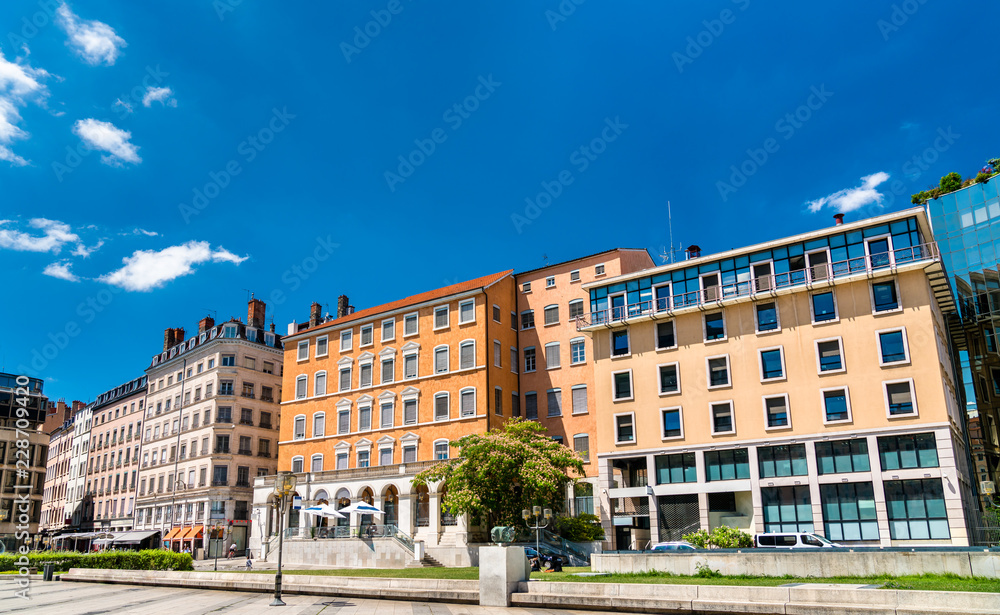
<point x="159" y="159"/>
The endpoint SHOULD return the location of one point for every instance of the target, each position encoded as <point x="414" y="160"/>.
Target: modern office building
<point x="556" y="368"/>
<point x="22" y="440"/>
<point x="802" y="384"/>
<point x="966" y="227"/>
<point x="210" y="427"/>
<point x="113" y="466"/>
<point x="378" y="394"/>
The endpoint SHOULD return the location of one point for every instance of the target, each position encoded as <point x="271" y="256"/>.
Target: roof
<point x="431" y="295"/>
<point x="580" y="258"/>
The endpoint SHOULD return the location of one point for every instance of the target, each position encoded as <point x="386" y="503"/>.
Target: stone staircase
<point x="427" y="562"/>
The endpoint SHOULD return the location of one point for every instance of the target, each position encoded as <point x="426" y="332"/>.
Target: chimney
<point x="205" y="324"/>
<point x="178" y="335"/>
<point x="168" y="338"/>
<point x="255" y="313"/>
<point x="315" y="314"/>
<point x="839" y="218"/>
<point x="272" y="327"/>
<point x="693" y="251"/>
<point x="343" y="309"/>
<point x="293" y="328"/>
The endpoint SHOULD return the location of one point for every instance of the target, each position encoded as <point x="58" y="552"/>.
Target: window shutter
<point x="441" y="407"/>
<point x="410" y="366"/>
<point x="580" y="399"/>
<point x="410" y="411"/>
<point x="468" y="403"/>
<point x="441" y="360"/>
<point x="468" y="356"/>
<point x="344" y="422"/>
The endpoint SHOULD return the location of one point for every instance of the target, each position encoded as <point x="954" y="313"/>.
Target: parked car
<point x="677" y="545"/>
<point x="792" y="540"/>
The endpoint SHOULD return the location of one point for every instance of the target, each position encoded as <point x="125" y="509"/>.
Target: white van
<point x="792" y="540"/>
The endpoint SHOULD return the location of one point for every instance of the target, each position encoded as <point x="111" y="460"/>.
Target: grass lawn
<point x="932" y="582"/>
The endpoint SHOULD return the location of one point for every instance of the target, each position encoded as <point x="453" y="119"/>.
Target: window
<point x="388" y="330"/>
<point x="829" y="356"/>
<point x="679" y="468"/>
<point x="496" y="313"/>
<point x="529" y="359"/>
<point x="574" y="276"/>
<point x="345" y="378"/>
<point x="531" y="406"/>
<point x="410" y="453"/>
<point x="467" y="312"/>
<point x="849" y="511"/>
<point x="575" y="309"/>
<point x="579" y="399"/>
<point x="385" y="456"/>
<point x="299" y="431"/>
<point x="410" y="324"/>
<point x="892" y="347"/>
<point x="319" y="383"/>
<point x="346" y="340"/>
<point x="787" y="509"/>
<point x="836" y="406"/>
<point x="665" y="337"/>
<point x="622" y="385"/>
<point x="599" y="269"/>
<point x="670" y="382"/>
<point x="363" y="458"/>
<point x="228" y="360"/>
<point x="341" y="461"/>
<point x="884" y="297"/>
<point x="550" y="282"/>
<point x="321" y="347"/>
<point x="515" y="404"/>
<point x="767" y="317"/>
<point x="441" y="360"/>
<point x="388" y="370"/>
<point x="441" y="450"/>
<point x="319" y="424"/>
<point x="440" y="317"/>
<point x="673" y="423"/>
<point x="296" y="467"/>
<point x="498" y="401"/>
<point x="715" y="327"/>
<point x="388" y="414"/>
<point x="842" y="456"/>
<point x="782" y="460"/>
<point x="367" y="337"/>
<point x="619" y="343"/>
<point x="776" y="412"/>
<point x="772" y="364"/>
<point x="468" y="402"/>
<point x="824" y="307"/>
<point x="718" y="371"/>
<point x="526" y="287"/>
<point x="552" y="359"/>
<point x="577" y="351"/>
<point x="722" y="418"/>
<point x="916" y="510"/>
<point x="441" y="411"/>
<point x="497" y="353"/>
<point x="908" y="451"/>
<point x="554" y="402"/>
<point x="624" y="428"/>
<point x="343" y="421"/>
<point x="551" y="315"/>
<point x="410" y="366"/>
<point x="899" y="399"/>
<point x="303" y="350"/>
<point x="467" y="355"/>
<point x="581" y="446"/>
<point x="409" y="411"/>
<point x="248" y="362"/>
<point x="528" y="319"/>
<point x="727" y="465"/>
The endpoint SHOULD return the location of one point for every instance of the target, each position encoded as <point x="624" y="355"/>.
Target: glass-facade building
<point x="966" y="227"/>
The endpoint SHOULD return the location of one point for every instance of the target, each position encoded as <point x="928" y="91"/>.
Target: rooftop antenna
<point x="214" y="313"/>
<point x="249" y="294"/>
<point x="670" y="225"/>
<point x="545" y="259"/>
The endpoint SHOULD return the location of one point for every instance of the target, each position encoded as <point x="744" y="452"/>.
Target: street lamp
<point x="217" y="529"/>
<point x="536" y="512"/>
<point x="284" y="486"/>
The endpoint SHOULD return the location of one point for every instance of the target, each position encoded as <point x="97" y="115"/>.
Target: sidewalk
<point x="238" y="563"/>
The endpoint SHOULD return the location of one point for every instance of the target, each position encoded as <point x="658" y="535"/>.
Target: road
<point x="56" y="598"/>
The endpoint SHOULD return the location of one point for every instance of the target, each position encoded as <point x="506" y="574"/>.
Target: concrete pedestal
<point x="500" y="570"/>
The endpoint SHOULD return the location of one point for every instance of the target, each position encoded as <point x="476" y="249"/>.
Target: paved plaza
<point x="57" y="598"/>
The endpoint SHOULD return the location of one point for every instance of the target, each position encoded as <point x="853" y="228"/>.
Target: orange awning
<point x="175" y="533"/>
<point x="194" y="532"/>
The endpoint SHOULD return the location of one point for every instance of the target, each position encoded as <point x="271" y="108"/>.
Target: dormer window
<point x="229" y="331"/>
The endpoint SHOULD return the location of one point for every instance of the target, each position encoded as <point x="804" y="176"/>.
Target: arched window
<point x="316" y="463"/>
<point x="301" y="384"/>
<point x="299" y="427"/>
<point x="297" y="462"/>
<point x="319" y="424"/>
<point x="319" y="383"/>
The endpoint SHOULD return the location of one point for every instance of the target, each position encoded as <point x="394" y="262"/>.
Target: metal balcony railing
<point x="761" y="285"/>
<point x="244" y="451"/>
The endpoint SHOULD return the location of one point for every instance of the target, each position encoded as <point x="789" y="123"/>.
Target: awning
<point x="133" y="538"/>
<point x="195" y="532"/>
<point x="175" y="533"/>
<point x="80" y="535"/>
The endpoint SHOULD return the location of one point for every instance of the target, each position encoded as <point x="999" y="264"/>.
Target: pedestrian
<point x="249" y="559"/>
<point x="232" y="551"/>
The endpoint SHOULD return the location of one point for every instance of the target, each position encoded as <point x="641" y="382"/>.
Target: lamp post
<point x="284" y="485"/>
<point x="219" y="527"/>
<point x="536" y="512"/>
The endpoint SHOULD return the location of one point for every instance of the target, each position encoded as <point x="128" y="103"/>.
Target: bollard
<point x="48" y="568"/>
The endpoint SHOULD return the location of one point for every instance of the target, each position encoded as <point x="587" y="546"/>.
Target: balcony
<point x="220" y="483"/>
<point x="246" y="422"/>
<point x="265" y="425"/>
<point x="243" y="483"/>
<point x="263" y="454"/>
<point x="917" y="257"/>
<point x="222" y="450"/>
<point x="248" y="395"/>
<point x="267" y="398"/>
<point x="244" y="451"/>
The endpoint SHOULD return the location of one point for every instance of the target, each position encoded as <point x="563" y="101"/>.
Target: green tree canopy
<point x="498" y="474"/>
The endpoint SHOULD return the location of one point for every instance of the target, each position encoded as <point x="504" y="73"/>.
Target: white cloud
<point x="164" y="96"/>
<point x="54" y="236"/>
<point x="850" y="199"/>
<point x="142" y="231"/>
<point x="149" y="269"/>
<point x="84" y="251"/>
<point x="19" y="84"/>
<point x="61" y="271"/>
<point x="94" y="41"/>
<point x="121" y="104"/>
<point x="106" y="137"/>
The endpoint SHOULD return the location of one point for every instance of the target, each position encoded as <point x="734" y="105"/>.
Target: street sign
<point x="987" y="486"/>
<point x="296" y="503"/>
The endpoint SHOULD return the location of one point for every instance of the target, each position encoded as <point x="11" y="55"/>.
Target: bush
<point x="950" y="183"/>
<point x="582" y="528"/>
<point x="150" y="559"/>
<point x="982" y="178"/>
<point x="722" y="537"/>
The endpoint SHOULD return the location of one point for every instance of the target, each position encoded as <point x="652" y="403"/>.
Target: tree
<point x="499" y="473"/>
<point x="951" y="182"/>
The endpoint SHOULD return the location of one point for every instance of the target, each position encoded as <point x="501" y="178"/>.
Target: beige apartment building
<point x="556" y="362"/>
<point x="60" y="452"/>
<point x="803" y="384"/>
<point x="211" y="426"/>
